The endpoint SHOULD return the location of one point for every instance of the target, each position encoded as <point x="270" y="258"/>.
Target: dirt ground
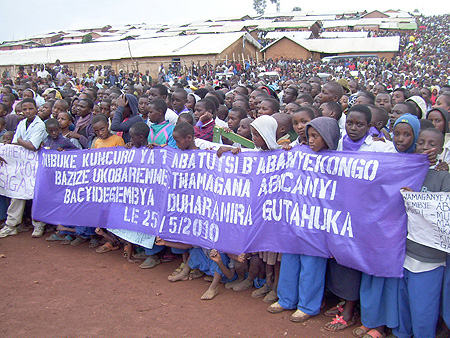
<point x="50" y="290"/>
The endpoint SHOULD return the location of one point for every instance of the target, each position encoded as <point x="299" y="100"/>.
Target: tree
<point x="259" y="6"/>
<point x="87" y="38"/>
<point x="277" y="3"/>
<point x="296" y="9"/>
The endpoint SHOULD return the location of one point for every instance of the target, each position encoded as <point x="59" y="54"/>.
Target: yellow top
<point x="112" y="141"/>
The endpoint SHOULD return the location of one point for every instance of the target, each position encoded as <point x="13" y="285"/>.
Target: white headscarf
<point x="267" y="126"/>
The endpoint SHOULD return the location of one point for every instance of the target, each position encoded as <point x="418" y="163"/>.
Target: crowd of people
<point x="401" y="106"/>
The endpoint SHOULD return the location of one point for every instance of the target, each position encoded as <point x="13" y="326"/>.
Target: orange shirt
<point x="112" y="141"/>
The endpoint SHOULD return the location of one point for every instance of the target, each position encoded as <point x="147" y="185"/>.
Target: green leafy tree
<point x="259" y="6"/>
<point x="87" y="38"/>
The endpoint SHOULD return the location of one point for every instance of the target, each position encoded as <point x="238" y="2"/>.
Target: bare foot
<point x="183" y="275"/>
<point x="230" y="285"/>
<point x="210" y="294"/>
<point x="244" y="285"/>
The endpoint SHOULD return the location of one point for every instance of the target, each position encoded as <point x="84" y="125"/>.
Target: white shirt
<point x="35" y="133"/>
<point x="374" y="146"/>
<point x="171" y="116"/>
<point x="220" y="123"/>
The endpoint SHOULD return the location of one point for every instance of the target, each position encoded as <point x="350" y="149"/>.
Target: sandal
<point x="107" y="247"/>
<point x="359" y="332"/>
<point x="335" y="310"/>
<point x="374" y="334"/>
<point x="195" y="273"/>
<point x="93" y="243"/>
<point x="339" y="324"/>
<point x="67" y="240"/>
<point x="261" y="292"/>
<point x="178" y="270"/>
<point x="78" y="241"/>
<point x="54" y="238"/>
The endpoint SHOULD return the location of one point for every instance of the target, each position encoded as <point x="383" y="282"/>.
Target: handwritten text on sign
<point x="429" y="218"/>
<point x="321" y="204"/>
<point x="18" y="176"/>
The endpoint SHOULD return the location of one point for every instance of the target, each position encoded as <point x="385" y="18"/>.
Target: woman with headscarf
<point x="126" y="115"/>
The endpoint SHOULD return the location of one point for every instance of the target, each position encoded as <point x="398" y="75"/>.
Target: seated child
<point x="210" y="262"/>
<point x="234" y="118"/>
<point x="46" y="110"/>
<point x="302" y="277"/>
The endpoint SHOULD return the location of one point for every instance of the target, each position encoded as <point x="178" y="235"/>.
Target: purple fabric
<point x="344" y="205"/>
<point x="350" y="145"/>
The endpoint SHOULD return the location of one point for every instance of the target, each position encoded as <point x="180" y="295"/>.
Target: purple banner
<point x="345" y="205"/>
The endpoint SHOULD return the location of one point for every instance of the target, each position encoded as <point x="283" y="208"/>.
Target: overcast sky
<point x="25" y="18"/>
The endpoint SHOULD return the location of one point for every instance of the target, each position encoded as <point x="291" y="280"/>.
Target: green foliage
<point x="87" y="38"/>
<point x="259" y="6"/>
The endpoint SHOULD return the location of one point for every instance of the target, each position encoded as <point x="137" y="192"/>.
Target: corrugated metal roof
<point x="343" y="35"/>
<point x="178" y="45"/>
<point x="349" y="45"/>
<point x="297" y="35"/>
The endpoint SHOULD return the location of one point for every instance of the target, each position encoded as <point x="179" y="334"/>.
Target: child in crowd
<point x="46" y="110"/>
<point x="65" y="120"/>
<point x="30" y="134"/>
<point x="105" y="139"/>
<point x="379" y="295"/>
<point x="441" y="119"/>
<point x="160" y="129"/>
<point x="302" y="278"/>
<point x="345" y="282"/>
<point x="55" y="139"/>
<point x="2" y="128"/>
<point x="419" y="290"/>
<point x="300" y="119"/>
<point x="284" y="129"/>
<point x="161" y="133"/>
<point x="291" y="108"/>
<point x="205" y="115"/>
<point x="126" y="115"/>
<point x="379" y="121"/>
<point x="8" y="137"/>
<point x="83" y="128"/>
<point x="185" y="117"/>
<point x="244" y="128"/>
<point x="268" y="106"/>
<point x="60" y="106"/>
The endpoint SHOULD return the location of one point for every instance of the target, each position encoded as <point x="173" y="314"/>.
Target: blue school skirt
<point x="379" y="301"/>
<point x="199" y="260"/>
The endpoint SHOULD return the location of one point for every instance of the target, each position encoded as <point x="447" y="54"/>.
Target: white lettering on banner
<point x="118" y="194"/>
<point x="325" y="164"/>
<point x="429" y="218"/>
<point x="306" y="186"/>
<point x="229" y="212"/>
<point x="312" y="217"/>
<point x="209" y="182"/>
<point x="111" y="157"/>
<point x="59" y="161"/>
